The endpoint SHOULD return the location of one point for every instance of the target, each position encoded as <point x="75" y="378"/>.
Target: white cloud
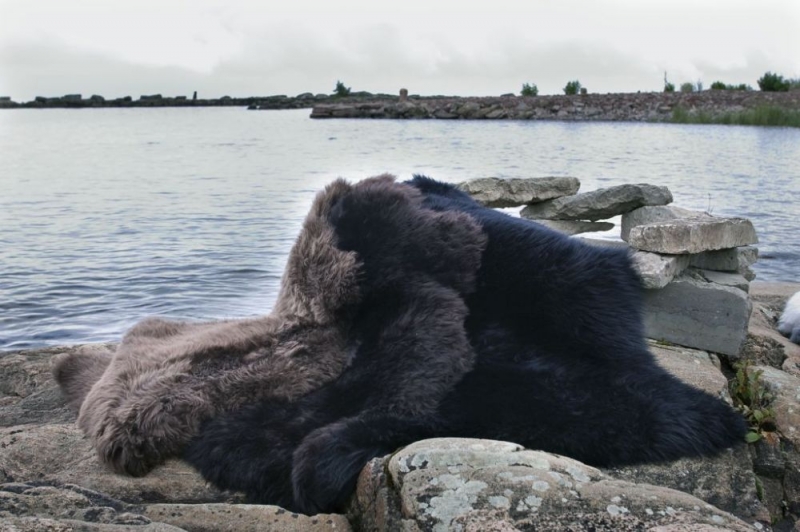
<point x="255" y="48"/>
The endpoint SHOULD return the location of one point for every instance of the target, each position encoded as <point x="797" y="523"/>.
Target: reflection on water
<point x="107" y="216"/>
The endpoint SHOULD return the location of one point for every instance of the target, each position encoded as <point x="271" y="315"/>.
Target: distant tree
<point x="341" y="90"/>
<point x="529" y="89"/>
<point x="687" y="87"/>
<point x="718" y="85"/>
<point x="572" y="87"/>
<point x="770" y="82"/>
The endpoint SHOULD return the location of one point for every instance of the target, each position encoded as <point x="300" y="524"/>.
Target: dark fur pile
<point x="554" y="326"/>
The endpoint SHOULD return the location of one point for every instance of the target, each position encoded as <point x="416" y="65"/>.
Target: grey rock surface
<point x="732" y="279"/>
<point x="655" y="270"/>
<point x="599" y="204"/>
<point x="449" y="483"/>
<point x="786" y="388"/>
<point x="726" y="260"/>
<point x="653" y="214"/>
<point x="497" y="192"/>
<point x="72" y="506"/>
<point x="575" y="227"/>
<point x="673" y="230"/>
<point x="692" y="312"/>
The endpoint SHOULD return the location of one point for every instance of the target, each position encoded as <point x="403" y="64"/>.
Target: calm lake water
<point x="111" y="215"/>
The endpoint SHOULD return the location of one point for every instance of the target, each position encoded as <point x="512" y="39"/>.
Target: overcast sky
<point x="469" y="47"/>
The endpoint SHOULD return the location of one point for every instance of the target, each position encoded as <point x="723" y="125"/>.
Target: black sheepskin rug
<point x="472" y="323"/>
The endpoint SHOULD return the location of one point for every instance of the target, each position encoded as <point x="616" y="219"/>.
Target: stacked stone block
<point x="695" y="267"/>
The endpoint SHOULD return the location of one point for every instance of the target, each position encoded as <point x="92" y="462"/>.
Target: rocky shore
<point x="635" y="107"/>
<point x="705" y="318"/>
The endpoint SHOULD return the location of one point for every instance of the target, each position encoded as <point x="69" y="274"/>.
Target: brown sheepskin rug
<point x="144" y="403"/>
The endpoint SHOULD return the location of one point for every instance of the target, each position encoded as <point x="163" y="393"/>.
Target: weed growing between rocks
<point x="752" y="398"/>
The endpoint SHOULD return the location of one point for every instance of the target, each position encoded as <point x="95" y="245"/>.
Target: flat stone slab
<point x="575" y="227"/>
<point x="735" y="280"/>
<point x="497" y="192"/>
<point x="599" y="204"/>
<point x="677" y="231"/>
<point x="653" y="214"/>
<point x="726" y="260"/>
<point x="465" y="484"/>
<point x="655" y="270"/>
<point x="693" y="312"/>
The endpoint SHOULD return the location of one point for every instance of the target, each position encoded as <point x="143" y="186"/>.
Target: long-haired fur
<point x="561" y="365"/>
<point x="369" y="284"/>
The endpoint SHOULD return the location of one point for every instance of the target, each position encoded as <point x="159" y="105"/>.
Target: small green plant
<point x="341" y="90"/>
<point x="752" y="398"/>
<point x="770" y="82"/>
<point x="718" y="86"/>
<point x="669" y="87"/>
<point x="687" y="87"/>
<point x="529" y="89"/>
<point x="572" y="87"/>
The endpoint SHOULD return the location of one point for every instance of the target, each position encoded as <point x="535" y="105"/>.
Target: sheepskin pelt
<point x="143" y="404"/>
<point x="561" y="366"/>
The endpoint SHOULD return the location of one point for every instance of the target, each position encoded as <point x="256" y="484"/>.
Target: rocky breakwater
<point x="639" y="107"/>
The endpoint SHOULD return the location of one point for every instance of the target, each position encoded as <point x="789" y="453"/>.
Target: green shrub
<point x="770" y="82"/>
<point x="341" y="90"/>
<point x="719" y="86"/>
<point x="669" y="87"/>
<point x="687" y="87"/>
<point x="572" y="88"/>
<point x="529" y="89"/>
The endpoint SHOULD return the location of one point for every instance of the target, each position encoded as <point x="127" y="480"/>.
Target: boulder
<point x="575" y="227"/>
<point x="461" y="484"/>
<point x="673" y="230"/>
<point x="600" y="204"/>
<point x="496" y="192"/>
<point x="693" y="312"/>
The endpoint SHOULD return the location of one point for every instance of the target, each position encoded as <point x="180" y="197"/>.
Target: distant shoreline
<point x="706" y="107"/>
